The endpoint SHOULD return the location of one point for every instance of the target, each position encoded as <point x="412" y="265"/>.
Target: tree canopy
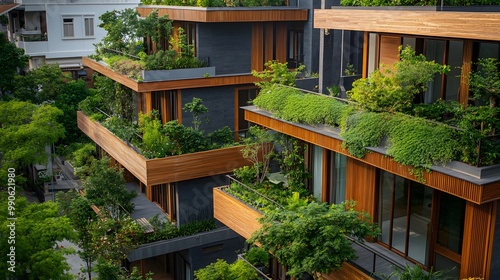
<point x="25" y="131"/>
<point x="12" y="59"/>
<point x="37" y="228"/>
<point x="312" y="239"/>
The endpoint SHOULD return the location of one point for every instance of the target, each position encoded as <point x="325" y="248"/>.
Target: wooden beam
<point x="281" y="30"/>
<point x="463" y="92"/>
<point x="258" y="46"/>
<point x="462" y="25"/>
<point x="200" y="14"/>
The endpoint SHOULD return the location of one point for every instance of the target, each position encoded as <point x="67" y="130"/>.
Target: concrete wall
<point x="220" y="104"/>
<point x="195" y="198"/>
<point x="228" y="46"/>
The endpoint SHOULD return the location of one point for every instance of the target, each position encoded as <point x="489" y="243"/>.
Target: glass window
<point x="68" y="27"/>
<point x="451" y="222"/>
<point x="338" y="181"/>
<point x="434" y="50"/>
<point x="404" y="216"/>
<point x="89" y="26"/>
<point x="454" y="60"/>
<point x="295" y="55"/>
<point x="317" y="172"/>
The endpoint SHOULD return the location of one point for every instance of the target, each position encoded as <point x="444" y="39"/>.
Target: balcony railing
<point x="256" y="199"/>
<point x="261" y="274"/>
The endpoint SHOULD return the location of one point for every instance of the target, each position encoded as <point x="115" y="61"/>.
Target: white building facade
<point x="59" y="31"/>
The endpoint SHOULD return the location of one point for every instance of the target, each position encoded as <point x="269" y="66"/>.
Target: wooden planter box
<point x="235" y="214"/>
<point x="162" y="170"/>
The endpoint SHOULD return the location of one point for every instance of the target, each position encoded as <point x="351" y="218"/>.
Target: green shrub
<point x="364" y="129"/>
<point x="257" y="256"/>
<point x="238" y="270"/>
<point x="221" y="137"/>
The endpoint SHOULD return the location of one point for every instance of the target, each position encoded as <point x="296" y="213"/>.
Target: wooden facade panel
<point x="479" y="220"/>
<point x="257" y="46"/>
<point x="449" y="184"/>
<point x="194" y="165"/>
<point x="389" y="50"/>
<point x="463" y="25"/>
<point x="115" y="147"/>
<point x="235" y="214"/>
<point x="198" y="14"/>
<point x="347" y="272"/>
<point x="360" y="186"/>
<point x="463" y="92"/>
<point x="281" y="36"/>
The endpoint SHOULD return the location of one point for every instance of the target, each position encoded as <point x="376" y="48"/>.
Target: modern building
<point x="234" y="41"/>
<point x="58" y="31"/>
<point x="448" y="219"/>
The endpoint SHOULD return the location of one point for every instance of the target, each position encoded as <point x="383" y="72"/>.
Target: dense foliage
<point x="164" y="230"/>
<point x="416" y="2"/>
<point x="238" y="270"/>
<point x="12" y="59"/>
<point x="311" y="239"/>
<point x="216" y="3"/>
<point x="37" y="229"/>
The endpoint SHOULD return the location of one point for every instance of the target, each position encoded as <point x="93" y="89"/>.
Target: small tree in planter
<point x="312" y="239"/>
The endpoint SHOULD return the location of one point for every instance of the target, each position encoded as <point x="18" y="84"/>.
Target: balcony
<point x="162" y="170"/>
<point x="184" y="83"/>
<point x="239" y="212"/>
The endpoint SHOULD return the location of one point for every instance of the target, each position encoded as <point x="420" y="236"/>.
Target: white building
<point x="58" y="31"/>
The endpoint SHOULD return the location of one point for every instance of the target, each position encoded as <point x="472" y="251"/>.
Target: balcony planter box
<point x="307" y="83"/>
<point x="345" y="84"/>
<point x="176" y="74"/>
<point x="235" y="214"/>
<point x="167" y="169"/>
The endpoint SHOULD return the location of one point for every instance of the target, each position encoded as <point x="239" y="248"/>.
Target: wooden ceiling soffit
<point x="462" y="25"/>
<point x="198" y="14"/>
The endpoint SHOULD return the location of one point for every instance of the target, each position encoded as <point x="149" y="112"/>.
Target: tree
<point x="12" y="59"/>
<point x="259" y="150"/>
<point x="197" y="108"/>
<point x="277" y="73"/>
<point x="485" y="81"/>
<point x="71" y="94"/>
<point x="37" y="229"/>
<point x="25" y="131"/>
<point x="312" y="239"/>
<point x="157" y="28"/>
<point x="121" y="30"/>
<point x="105" y="187"/>
<point x="79" y="211"/>
<point x="40" y="85"/>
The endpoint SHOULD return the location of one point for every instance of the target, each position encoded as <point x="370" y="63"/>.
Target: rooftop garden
<point x="126" y="51"/>
<point x="216" y="3"/>
<point x="380" y="113"/>
<point x="306" y="236"/>
<point x="417" y="2"/>
<point x="112" y="104"/>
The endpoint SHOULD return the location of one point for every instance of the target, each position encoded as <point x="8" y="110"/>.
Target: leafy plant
<point x="396" y="90"/>
<point x="350" y="70"/>
<point x="311" y="239"/>
<point x="416" y="272"/>
<point x="238" y="270"/>
<point x="257" y="256"/>
<point x="197" y="108"/>
<point x="364" y="129"/>
<point x="259" y="150"/>
<point x="221" y="137"/>
<point x="485" y="81"/>
<point x="277" y="73"/>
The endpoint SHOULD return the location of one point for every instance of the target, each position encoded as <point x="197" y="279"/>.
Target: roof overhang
<point x="4" y="8"/>
<point x="447" y="24"/>
<point x="254" y="14"/>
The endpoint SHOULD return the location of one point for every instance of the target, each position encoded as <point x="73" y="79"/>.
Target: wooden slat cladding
<point x="172" y="84"/>
<point x="235" y="214"/>
<point x="194" y="165"/>
<point x="115" y="147"/>
<point x="198" y="14"/>
<point x="389" y="50"/>
<point x="258" y="46"/>
<point x="163" y="170"/>
<point x="463" y="25"/>
<point x="455" y="186"/>
<point x="479" y="220"/>
<point x="463" y="93"/>
<point x="346" y="272"/>
<point x="361" y="185"/>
